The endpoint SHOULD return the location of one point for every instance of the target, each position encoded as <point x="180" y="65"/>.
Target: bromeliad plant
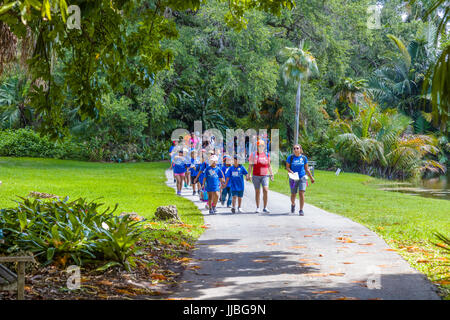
<point x="77" y="231"/>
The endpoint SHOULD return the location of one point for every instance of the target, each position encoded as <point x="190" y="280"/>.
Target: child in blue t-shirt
<point x="179" y="170"/>
<point x="226" y="190"/>
<point x="193" y="162"/>
<point x="213" y="177"/>
<point x="235" y="179"/>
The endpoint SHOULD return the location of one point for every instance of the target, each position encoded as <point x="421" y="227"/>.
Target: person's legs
<point x="215" y="199"/>
<point x="293" y="196"/>
<point x="301" y="194"/>
<point x="234" y="202"/>
<point x="257" y="197"/>
<point x="228" y="195"/>
<point x="265" y="196"/>
<point x="210" y="199"/>
<point x="179" y="179"/>
<point x="239" y="202"/>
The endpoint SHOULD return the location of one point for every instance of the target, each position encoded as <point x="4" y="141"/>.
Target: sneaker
<point x="301" y="213"/>
<point x="222" y="203"/>
<point x="257" y="210"/>
<point x="292" y="208"/>
<point x="211" y="211"/>
<point x="179" y="193"/>
<point x="239" y="210"/>
<point x="193" y="193"/>
<point x="233" y="210"/>
<point x="265" y="210"/>
<point x="214" y="210"/>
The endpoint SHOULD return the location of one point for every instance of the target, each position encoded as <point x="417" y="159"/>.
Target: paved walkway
<point x="281" y="256"/>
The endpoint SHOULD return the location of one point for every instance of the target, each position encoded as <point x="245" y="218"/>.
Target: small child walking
<point x="213" y="177"/>
<point x="179" y="170"/>
<point x="226" y="189"/>
<point x="235" y="179"/>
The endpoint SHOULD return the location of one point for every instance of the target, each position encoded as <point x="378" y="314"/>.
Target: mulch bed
<point x="154" y="278"/>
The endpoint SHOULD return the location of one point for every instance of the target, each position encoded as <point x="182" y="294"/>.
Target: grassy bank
<point x="406" y="222"/>
<point x="136" y="187"/>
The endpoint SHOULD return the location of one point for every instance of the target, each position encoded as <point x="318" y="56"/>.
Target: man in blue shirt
<point x="298" y="163"/>
<point x="235" y="179"/>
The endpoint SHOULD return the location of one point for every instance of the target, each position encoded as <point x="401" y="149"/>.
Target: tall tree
<point x="299" y="66"/>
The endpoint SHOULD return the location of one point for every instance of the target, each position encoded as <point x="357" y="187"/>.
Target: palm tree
<point x="400" y="84"/>
<point x="437" y="77"/>
<point x="379" y="142"/>
<point x="348" y="90"/>
<point x="300" y="65"/>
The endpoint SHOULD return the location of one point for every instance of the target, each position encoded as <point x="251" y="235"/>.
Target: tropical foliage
<point x="70" y="232"/>
<point x="380" y="142"/>
<point x="117" y="93"/>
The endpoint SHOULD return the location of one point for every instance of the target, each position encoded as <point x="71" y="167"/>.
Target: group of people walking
<point x="213" y="180"/>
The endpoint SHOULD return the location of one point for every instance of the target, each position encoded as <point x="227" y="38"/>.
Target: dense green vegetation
<point x="227" y="66"/>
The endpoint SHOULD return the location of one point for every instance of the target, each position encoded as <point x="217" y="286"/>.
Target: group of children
<point x="209" y="179"/>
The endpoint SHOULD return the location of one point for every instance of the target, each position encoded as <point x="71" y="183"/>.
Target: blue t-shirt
<point x="193" y="170"/>
<point x="236" y="175"/>
<point x="298" y="164"/>
<point x="225" y="169"/>
<point x="212" y="176"/>
<point x="179" y="165"/>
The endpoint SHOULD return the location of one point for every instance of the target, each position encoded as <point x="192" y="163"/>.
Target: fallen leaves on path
<point x="366" y="244"/>
<point x="261" y="261"/>
<point x="223" y="260"/>
<point x="325" y="292"/>
<point x="297" y="247"/>
<point x="348" y="262"/>
<point x="344" y="240"/>
<point x="158" y="276"/>
<point x="272" y="244"/>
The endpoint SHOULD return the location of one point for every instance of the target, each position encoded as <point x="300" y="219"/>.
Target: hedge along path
<point x="282" y="256"/>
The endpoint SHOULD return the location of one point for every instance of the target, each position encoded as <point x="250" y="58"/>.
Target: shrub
<point x="58" y="230"/>
<point x="27" y="143"/>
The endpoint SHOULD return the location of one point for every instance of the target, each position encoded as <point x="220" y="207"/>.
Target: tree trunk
<point x="297" y="111"/>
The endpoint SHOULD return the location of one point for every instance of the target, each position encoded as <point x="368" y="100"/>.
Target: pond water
<point x="438" y="188"/>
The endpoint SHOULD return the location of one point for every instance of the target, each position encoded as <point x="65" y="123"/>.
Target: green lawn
<point x="136" y="187"/>
<point x="406" y="222"/>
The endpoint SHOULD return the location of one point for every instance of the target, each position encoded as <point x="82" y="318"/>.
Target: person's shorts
<point x="179" y="174"/>
<point x="260" y="180"/>
<point x="238" y="194"/>
<point x="212" y="189"/>
<point x="297" y="185"/>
